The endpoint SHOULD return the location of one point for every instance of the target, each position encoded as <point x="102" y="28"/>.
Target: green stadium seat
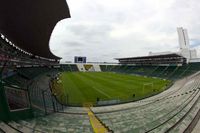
<point x="155" y="116"/>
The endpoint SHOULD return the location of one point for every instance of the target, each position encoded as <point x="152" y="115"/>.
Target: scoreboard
<point x="79" y="59"/>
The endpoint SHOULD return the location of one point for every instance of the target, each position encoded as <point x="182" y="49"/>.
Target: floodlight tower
<point x="184" y="44"/>
<point x="183" y="38"/>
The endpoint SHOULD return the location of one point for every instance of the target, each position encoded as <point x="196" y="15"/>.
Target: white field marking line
<point x="101" y="92"/>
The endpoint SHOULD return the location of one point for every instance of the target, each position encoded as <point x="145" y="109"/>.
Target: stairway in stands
<point x="96" y="68"/>
<point x="81" y="67"/>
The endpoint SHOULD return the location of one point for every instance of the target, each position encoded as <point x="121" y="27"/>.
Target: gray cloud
<point x="74" y="44"/>
<point x="105" y="29"/>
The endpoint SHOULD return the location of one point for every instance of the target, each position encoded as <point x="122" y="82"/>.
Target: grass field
<point x="77" y="88"/>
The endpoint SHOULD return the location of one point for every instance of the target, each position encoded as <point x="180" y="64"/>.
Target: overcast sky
<point x="105" y="29"/>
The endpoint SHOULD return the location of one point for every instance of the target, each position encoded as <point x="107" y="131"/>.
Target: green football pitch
<point x="77" y="88"/>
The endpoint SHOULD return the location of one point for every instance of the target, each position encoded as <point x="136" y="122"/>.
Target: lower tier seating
<point x="172" y="111"/>
<point x="166" y="72"/>
<point x="58" y="122"/>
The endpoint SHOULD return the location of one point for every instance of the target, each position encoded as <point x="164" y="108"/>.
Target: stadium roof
<point x="29" y="23"/>
<point x="151" y="56"/>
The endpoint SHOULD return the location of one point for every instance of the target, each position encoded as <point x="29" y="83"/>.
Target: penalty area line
<point x="101" y="92"/>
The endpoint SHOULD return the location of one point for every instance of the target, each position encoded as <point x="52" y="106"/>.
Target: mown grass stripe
<point x="83" y="87"/>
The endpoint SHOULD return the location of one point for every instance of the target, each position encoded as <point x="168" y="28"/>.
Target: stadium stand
<point x="96" y="68"/>
<point x="74" y="68"/>
<point x="16" y="80"/>
<point x="170" y="58"/>
<point x="164" y="113"/>
<point x="172" y="110"/>
<point x="88" y="67"/>
<point x="29" y="104"/>
<point x="66" y="68"/>
<point x="103" y="68"/>
<point x="31" y="73"/>
<point x="4" y="128"/>
<point x="166" y="72"/>
<point x="58" y="122"/>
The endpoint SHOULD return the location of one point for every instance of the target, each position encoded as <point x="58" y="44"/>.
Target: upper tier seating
<point x="31" y="73"/>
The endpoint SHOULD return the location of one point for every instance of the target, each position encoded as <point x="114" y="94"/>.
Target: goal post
<point x="149" y="85"/>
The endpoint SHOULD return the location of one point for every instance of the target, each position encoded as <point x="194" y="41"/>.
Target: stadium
<point x="157" y="93"/>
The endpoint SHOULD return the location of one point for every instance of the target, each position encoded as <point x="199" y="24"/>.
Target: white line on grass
<point x="101" y="92"/>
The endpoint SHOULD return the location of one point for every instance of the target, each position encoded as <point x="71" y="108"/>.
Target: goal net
<point x="147" y="86"/>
